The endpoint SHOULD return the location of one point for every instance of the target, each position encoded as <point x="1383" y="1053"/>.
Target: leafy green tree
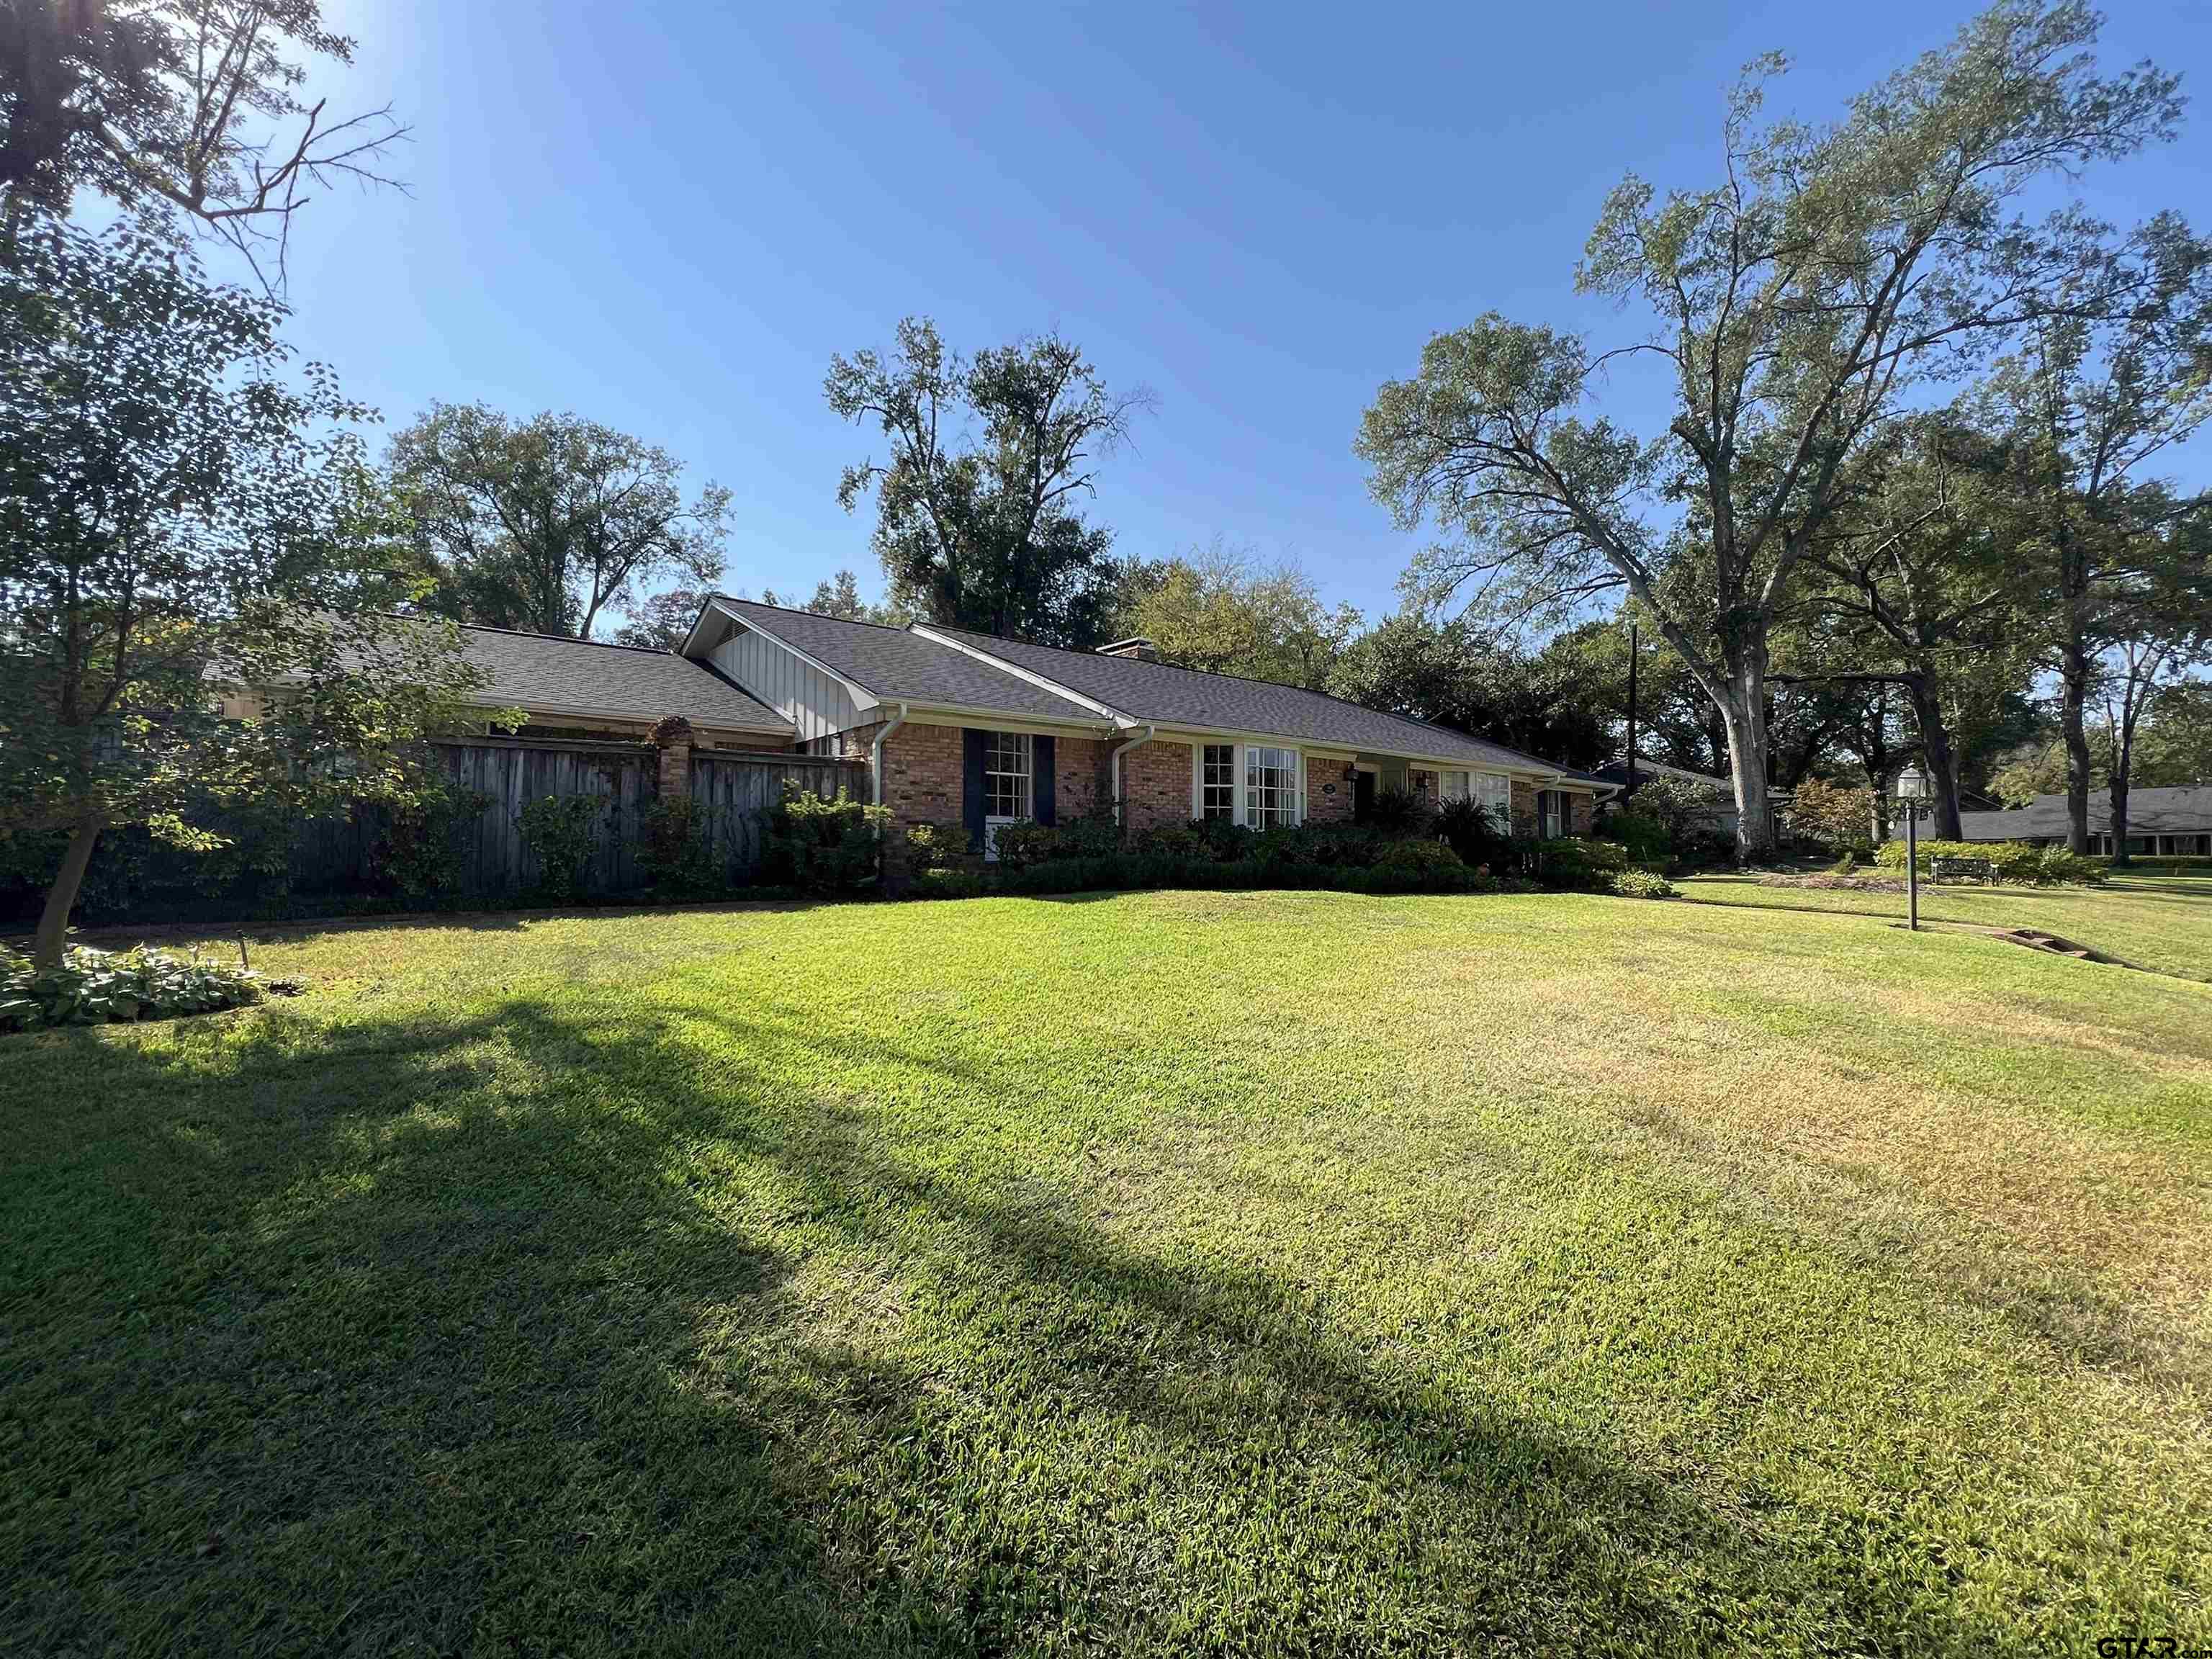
<point x="1457" y="675"/>
<point x="1219" y="610"/>
<point x="1828" y="274"/>
<point x="187" y="107"/>
<point x="661" y="621"/>
<point x="2097" y="390"/>
<point x="840" y="596"/>
<point x="982" y="532"/>
<point x="172" y="526"/>
<point x="2174" y="747"/>
<point x="545" y="523"/>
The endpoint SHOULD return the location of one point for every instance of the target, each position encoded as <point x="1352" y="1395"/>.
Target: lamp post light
<point x="1912" y="793"/>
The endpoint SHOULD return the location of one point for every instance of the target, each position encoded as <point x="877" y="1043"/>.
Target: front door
<point x="1363" y="797"/>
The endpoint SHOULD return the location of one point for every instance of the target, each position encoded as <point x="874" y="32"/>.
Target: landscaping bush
<point x="1477" y="835"/>
<point x="933" y="847"/>
<point x="91" y="987"/>
<point x="1398" y="812"/>
<point x="1576" y="863"/>
<point x="675" y="852"/>
<point x="1645" y="834"/>
<point x="1643" y="883"/>
<point x="417" y="852"/>
<point x="1181" y="843"/>
<point x="943" y="883"/>
<point x="1021" y="845"/>
<point x="557" y="830"/>
<point x="1419" y="855"/>
<point x="2015" y="862"/>
<point x="822" y="846"/>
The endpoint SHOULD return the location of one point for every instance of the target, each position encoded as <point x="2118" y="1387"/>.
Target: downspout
<point x="876" y="752"/>
<point x="1132" y="743"/>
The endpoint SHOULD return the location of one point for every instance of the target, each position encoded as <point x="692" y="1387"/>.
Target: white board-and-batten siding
<point x="810" y="700"/>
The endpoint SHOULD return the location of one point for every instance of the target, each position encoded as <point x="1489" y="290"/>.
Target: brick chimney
<point x="1135" y="645"/>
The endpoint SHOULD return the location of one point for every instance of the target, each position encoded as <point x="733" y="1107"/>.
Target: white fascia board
<point x="863" y="698"/>
<point x="998" y="720"/>
<point x="709" y="608"/>
<point x="579" y="711"/>
<point x="1020" y="673"/>
<point x="1337" y="746"/>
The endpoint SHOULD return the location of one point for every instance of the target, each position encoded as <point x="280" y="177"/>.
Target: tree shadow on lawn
<point x="523" y="1329"/>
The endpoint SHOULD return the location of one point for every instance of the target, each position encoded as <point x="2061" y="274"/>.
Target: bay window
<point x="1494" y="794"/>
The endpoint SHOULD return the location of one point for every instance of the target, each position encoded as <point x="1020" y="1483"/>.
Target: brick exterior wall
<point x="1322" y="807"/>
<point x="1080" y="783"/>
<point x="1524" y="808"/>
<point x="1156" y="786"/>
<point x="1578" y="814"/>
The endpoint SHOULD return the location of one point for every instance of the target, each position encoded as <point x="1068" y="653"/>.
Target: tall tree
<point x="840" y="596"/>
<point x="977" y="523"/>
<point x="2094" y="394"/>
<point x="173" y="521"/>
<point x="543" y="525"/>
<point x="2171" y="634"/>
<point x="189" y="106"/>
<point x="1925" y="591"/>
<point x="1219" y="609"/>
<point x="1798" y="302"/>
<point x="1455" y="674"/>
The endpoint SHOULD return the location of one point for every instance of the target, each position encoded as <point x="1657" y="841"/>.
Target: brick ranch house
<point x="960" y="727"/>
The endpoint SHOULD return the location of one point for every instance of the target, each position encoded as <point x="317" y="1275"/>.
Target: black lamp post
<point x="1912" y="793"/>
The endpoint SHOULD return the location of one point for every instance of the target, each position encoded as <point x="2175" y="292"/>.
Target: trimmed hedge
<point x="2014" y="861"/>
<point x="1136" y="870"/>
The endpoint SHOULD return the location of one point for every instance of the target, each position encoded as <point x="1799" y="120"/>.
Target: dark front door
<point x="1363" y="797"/>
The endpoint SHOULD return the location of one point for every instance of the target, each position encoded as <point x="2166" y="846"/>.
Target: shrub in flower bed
<point x="91" y="987"/>
<point x="1643" y="883"/>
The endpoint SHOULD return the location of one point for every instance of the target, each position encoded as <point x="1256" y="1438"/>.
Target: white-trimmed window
<point x="1271" y="787"/>
<point x="1007" y="784"/>
<point x="1453" y="785"/>
<point x="1217" y="782"/>
<point x="1494" y="794"/>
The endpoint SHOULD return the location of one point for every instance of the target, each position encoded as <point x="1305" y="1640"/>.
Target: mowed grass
<point x="1157" y="1273"/>
<point x="2163" y="923"/>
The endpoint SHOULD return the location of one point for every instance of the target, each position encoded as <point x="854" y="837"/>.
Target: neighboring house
<point x="2172" y="822"/>
<point x="1723" y="817"/>
<point x="965" y="728"/>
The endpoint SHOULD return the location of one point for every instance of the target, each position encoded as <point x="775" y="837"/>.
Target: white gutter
<point x="1132" y="743"/>
<point x="876" y="751"/>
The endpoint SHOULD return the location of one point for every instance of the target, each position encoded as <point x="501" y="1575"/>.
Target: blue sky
<point x="668" y="217"/>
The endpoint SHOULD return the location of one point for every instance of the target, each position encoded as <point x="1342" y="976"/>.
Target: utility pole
<point x="1630" y="790"/>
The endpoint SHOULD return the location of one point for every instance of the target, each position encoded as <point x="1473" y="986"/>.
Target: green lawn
<point x="2161" y="922"/>
<point x="1159" y="1274"/>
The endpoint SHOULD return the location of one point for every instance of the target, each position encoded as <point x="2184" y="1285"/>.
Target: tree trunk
<point x="2120" y="785"/>
<point x="1743" y="713"/>
<point x="1936" y="745"/>
<point x="2073" y="697"/>
<point x="61" y="898"/>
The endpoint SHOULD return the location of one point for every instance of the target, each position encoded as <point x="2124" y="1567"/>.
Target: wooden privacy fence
<point x="733" y="790"/>
<point x="494" y="862"/>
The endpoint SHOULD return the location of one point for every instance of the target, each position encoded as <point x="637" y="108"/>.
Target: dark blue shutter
<point x="1041" y="788"/>
<point x="971" y="787"/>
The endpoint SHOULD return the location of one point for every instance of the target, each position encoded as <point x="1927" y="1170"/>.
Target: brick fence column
<point x="672" y="737"/>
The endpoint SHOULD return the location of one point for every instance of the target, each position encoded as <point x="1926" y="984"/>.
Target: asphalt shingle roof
<point x="1154" y="691"/>
<point x="895" y="663"/>
<point x="621" y="682"/>
<point x="2183" y="810"/>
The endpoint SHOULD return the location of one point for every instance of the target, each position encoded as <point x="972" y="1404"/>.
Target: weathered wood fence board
<point x="339" y="855"/>
<point x="734" y="790"/>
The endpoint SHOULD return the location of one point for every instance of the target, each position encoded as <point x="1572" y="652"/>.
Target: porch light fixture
<point x="1913" y="792"/>
<point x="1352" y="771"/>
